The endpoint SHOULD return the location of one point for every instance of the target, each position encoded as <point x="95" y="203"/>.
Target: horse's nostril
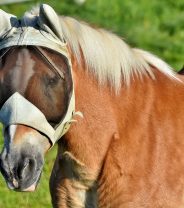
<point x="30" y="164"/>
<point x="26" y="168"/>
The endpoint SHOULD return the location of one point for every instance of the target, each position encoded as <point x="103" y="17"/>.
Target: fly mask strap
<point x="49" y="61"/>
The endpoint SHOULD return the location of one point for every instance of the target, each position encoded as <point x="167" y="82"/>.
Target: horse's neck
<point x="89" y="138"/>
<point x="103" y="146"/>
<point x="83" y="149"/>
<point x="106" y="117"/>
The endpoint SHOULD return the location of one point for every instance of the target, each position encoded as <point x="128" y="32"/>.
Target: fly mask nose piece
<point x="14" y="111"/>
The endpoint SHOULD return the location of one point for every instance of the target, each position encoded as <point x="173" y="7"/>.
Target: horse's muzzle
<point x="23" y="173"/>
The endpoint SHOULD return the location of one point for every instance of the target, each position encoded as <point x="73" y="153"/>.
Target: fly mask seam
<point x="50" y="62"/>
<point x="5" y="52"/>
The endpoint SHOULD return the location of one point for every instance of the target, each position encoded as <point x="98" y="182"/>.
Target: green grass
<point x="156" y="26"/>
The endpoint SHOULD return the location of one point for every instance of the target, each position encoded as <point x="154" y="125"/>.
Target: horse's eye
<point x="52" y="81"/>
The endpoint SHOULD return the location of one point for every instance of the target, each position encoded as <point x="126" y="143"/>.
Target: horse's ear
<point x="7" y="21"/>
<point x="49" y="21"/>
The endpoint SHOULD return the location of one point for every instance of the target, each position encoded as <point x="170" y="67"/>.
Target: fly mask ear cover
<point x="35" y="31"/>
<point x="7" y="21"/>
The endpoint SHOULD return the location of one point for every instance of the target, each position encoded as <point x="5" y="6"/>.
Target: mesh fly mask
<point x="37" y="33"/>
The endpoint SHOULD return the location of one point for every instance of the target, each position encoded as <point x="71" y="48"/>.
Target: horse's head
<point x="32" y="79"/>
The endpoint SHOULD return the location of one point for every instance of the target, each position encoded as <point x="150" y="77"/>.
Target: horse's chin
<point x="24" y="188"/>
<point x="31" y="188"/>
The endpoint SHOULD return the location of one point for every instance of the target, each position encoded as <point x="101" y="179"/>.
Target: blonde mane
<point x="106" y="55"/>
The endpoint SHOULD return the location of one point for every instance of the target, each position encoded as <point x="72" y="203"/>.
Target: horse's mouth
<point x="31" y="188"/>
<point x="22" y="186"/>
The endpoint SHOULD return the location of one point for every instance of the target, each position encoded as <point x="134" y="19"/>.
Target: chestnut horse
<point x="127" y="150"/>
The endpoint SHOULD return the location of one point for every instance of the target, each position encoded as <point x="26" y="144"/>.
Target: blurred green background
<point x="156" y="26"/>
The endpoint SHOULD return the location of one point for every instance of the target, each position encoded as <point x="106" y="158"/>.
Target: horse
<point x="115" y="112"/>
